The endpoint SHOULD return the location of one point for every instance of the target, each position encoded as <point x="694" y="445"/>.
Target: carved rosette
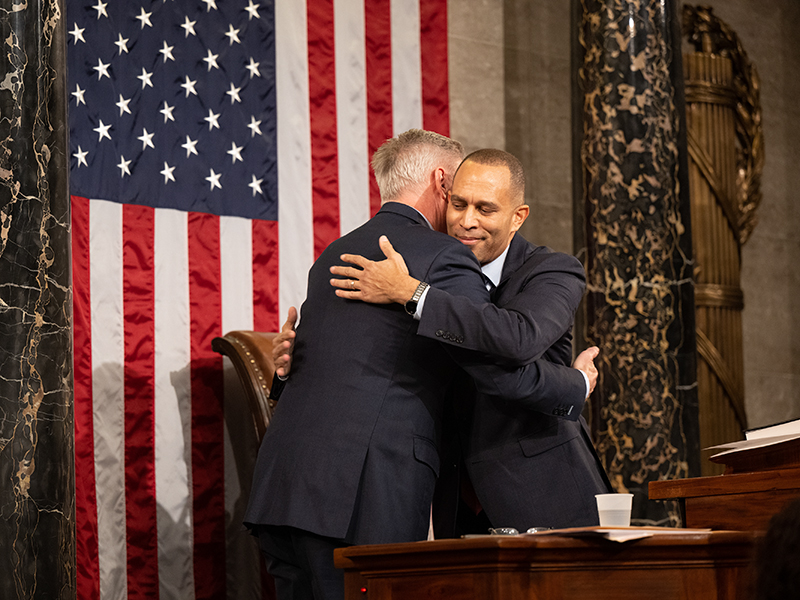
<point x="638" y="270"/>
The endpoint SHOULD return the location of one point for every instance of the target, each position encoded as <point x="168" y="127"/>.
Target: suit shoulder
<point x="544" y="257"/>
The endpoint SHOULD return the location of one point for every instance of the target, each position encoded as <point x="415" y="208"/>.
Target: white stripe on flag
<point x="236" y="272"/>
<point x="108" y="394"/>
<point x="173" y="408"/>
<point x="295" y="218"/>
<point x="236" y="281"/>
<point x="406" y="66"/>
<point x="351" y="113"/>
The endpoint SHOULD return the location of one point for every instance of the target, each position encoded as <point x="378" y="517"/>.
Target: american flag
<point x="217" y="147"/>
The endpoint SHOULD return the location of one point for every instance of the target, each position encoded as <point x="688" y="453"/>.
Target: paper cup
<point x="614" y="509"/>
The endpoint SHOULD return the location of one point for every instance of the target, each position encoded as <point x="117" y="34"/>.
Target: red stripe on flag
<point x="322" y="101"/>
<point x="433" y="48"/>
<point x="378" y="32"/>
<point x="208" y="460"/>
<point x="139" y="328"/>
<point x="88" y="569"/>
<point x="265" y="276"/>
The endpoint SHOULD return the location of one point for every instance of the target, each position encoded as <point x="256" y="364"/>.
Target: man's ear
<point x="441" y="182"/>
<point x="520" y="214"/>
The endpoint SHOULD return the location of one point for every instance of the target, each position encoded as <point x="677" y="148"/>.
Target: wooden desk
<point x="684" y="566"/>
<point x="744" y="501"/>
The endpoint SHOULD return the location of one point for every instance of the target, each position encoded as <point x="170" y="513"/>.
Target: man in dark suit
<point x="351" y="454"/>
<point x="530" y="465"/>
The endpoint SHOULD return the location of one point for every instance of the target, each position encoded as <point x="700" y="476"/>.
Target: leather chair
<point x="251" y="355"/>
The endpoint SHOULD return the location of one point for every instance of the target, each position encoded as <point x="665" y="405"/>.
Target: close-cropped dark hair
<point x="500" y="158"/>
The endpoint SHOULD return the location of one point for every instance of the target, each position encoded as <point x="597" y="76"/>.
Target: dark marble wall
<point x="37" y="556"/>
<point x="635" y="226"/>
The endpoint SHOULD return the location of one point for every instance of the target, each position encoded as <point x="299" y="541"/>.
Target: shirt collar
<point x="494" y="269"/>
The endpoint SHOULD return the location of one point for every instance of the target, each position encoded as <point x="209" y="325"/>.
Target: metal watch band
<point x="411" y="305"/>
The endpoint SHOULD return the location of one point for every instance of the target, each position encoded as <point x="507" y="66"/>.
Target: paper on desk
<point x="620" y="534"/>
<point x="741" y="445"/>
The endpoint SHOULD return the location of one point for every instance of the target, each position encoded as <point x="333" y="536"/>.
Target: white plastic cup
<point x="614" y="509"/>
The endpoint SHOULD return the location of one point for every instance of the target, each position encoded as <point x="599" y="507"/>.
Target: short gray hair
<point x="406" y="161"/>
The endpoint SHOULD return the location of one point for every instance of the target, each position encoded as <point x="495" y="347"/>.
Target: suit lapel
<point x="518" y="252"/>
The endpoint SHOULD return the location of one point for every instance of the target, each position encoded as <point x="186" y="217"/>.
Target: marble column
<point x="634" y="225"/>
<point x="37" y="507"/>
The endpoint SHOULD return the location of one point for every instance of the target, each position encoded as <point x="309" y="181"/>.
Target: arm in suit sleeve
<point x="455" y="272"/>
<point x="524" y="328"/>
<point x="540" y="386"/>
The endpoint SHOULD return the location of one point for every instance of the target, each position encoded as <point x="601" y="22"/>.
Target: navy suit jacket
<point x="528" y="454"/>
<point x="352" y="449"/>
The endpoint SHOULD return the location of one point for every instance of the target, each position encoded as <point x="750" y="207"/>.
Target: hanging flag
<point x="217" y="147"/>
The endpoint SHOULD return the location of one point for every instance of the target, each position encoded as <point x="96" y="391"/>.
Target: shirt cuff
<point x="420" y="303"/>
<point x="586" y="379"/>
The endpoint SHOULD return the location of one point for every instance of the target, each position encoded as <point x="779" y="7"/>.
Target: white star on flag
<point x="123" y="105"/>
<point x="188" y="85"/>
<point x="167" y="112"/>
<point x="102" y="130"/>
<point x="144" y="17"/>
<point x="78" y="93"/>
<point x="167" y="173"/>
<point x="100" y="7"/>
<point x="189" y="146"/>
<point x="252" y="10"/>
<point x="255" y="127"/>
<point x="123" y="166"/>
<point x="145" y="77"/>
<point x="188" y="27"/>
<point x="235" y="152"/>
<point x="81" y="156"/>
<point x="102" y="69"/>
<point x="213" y="120"/>
<point x="255" y="184"/>
<point x="211" y="60"/>
<point x="77" y="32"/>
<point x="146" y="139"/>
<point x="233" y="35"/>
<point x="234" y="93"/>
<point x="122" y="44"/>
<point x="253" y="68"/>
<point x="213" y="179"/>
<point x="167" y="51"/>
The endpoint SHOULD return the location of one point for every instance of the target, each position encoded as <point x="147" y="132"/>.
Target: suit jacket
<point x="528" y="454"/>
<point x="352" y="449"/>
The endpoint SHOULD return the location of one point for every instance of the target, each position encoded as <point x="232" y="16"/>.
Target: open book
<point x="773" y="446"/>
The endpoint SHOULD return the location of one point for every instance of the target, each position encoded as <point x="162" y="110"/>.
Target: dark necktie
<point x="489" y="286"/>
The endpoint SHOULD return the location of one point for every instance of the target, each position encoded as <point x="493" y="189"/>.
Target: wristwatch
<point x="411" y="305"/>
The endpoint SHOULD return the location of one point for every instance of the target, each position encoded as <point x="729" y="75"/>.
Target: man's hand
<point x="585" y="363"/>
<point x="378" y="282"/>
<point x="283" y="345"/>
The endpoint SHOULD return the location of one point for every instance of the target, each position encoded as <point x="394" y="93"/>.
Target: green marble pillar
<point x="634" y="227"/>
<point x="37" y="507"/>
